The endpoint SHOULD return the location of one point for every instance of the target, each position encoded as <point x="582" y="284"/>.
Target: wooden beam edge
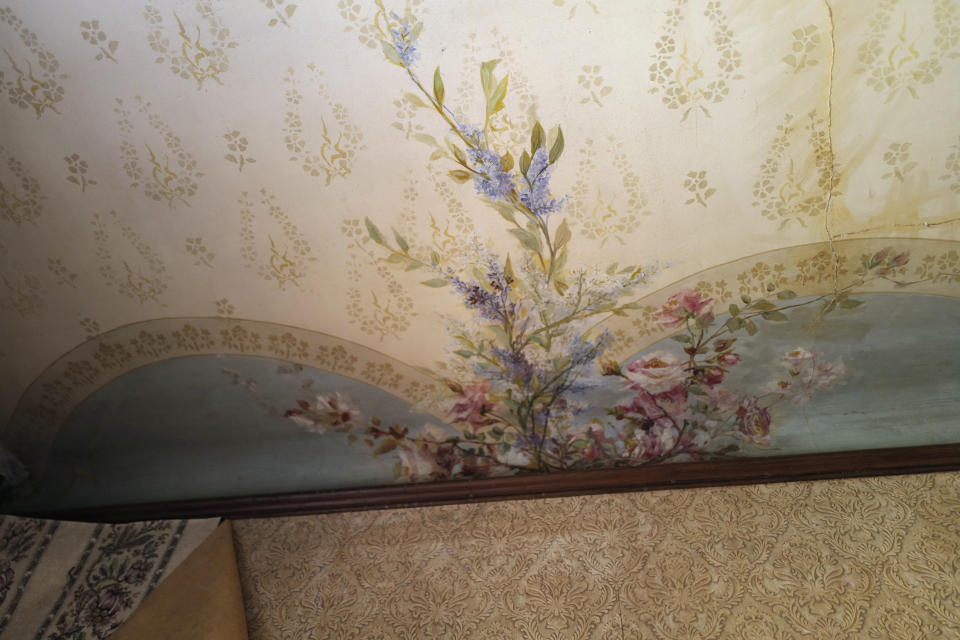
<point x="792" y="468"/>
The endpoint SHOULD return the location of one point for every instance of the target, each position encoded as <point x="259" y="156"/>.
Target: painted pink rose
<point x="796" y="357"/>
<point x="753" y="422"/>
<point x="682" y="306"/>
<point x="473" y="406"/>
<point x="728" y="359"/>
<point x="709" y="376"/>
<point x="419" y="463"/>
<point x="657" y="372"/>
<point x="658" y="441"/>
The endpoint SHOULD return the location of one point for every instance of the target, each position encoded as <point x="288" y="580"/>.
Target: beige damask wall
<point x="197" y="159"/>
<point x="870" y="558"/>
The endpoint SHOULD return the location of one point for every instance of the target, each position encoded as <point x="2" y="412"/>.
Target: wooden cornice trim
<point x="814" y="466"/>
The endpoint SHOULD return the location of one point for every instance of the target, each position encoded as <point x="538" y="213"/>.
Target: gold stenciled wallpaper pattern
<point x="842" y="559"/>
<point x="176" y="159"/>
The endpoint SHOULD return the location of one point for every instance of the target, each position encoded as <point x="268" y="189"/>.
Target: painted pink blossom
<point x="659" y="371"/>
<point x="753" y="421"/>
<point x="419" y="463"/>
<point x="728" y="359"/>
<point x="686" y="305"/>
<point x="331" y="411"/>
<point x="473" y="405"/>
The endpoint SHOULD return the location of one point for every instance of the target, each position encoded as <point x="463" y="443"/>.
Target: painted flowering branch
<point x="518" y="370"/>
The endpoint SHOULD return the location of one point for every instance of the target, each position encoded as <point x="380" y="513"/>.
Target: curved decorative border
<point x="808" y="270"/>
<point x="74" y="376"/>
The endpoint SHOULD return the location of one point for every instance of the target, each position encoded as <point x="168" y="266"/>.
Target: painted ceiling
<point x="322" y="245"/>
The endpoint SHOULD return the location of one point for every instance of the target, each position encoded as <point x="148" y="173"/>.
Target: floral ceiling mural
<point x="634" y="234"/>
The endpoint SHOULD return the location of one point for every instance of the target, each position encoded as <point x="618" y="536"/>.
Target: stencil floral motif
<point x="290" y="254"/>
<point x="574" y="5"/>
<point x="237" y="146"/>
<point x="77" y="170"/>
<point x="203" y="257"/>
<point x="696" y="184"/>
<point x="605" y="216"/>
<point x="519" y="368"/>
<point x="897" y="158"/>
<point x="806" y="40"/>
<point x="387" y="314"/>
<point x="33" y="81"/>
<point x="23" y="292"/>
<point x="340" y="140"/>
<point x="591" y="80"/>
<point x="891" y="55"/>
<point x="173" y="175"/>
<point x="783" y="189"/>
<point x="678" y="73"/>
<point x="63" y="275"/>
<point x="952" y="166"/>
<point x="225" y="308"/>
<point x="140" y="275"/>
<point x="281" y="12"/>
<point x="92" y="34"/>
<point x="192" y="54"/>
<point x="20" y="195"/>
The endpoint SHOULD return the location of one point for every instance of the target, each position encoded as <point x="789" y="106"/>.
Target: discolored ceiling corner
<point x="629" y="234"/>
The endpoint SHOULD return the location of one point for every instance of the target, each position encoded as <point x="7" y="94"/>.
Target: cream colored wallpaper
<point x="201" y="159"/>
<point x="839" y="559"/>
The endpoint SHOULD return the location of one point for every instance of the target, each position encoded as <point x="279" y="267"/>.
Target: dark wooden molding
<point x="818" y="466"/>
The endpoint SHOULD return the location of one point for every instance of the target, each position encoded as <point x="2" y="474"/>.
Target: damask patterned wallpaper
<point x="173" y="173"/>
<point x="842" y="559"/>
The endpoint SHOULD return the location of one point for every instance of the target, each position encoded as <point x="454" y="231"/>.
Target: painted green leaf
<point x="401" y="242"/>
<point x="508" y="270"/>
<point x="734" y="324"/>
<point x="775" y="316"/>
<point x="391" y="54"/>
<point x="527" y="239"/>
<point x="762" y="305"/>
<point x="384" y="446"/>
<point x="486" y="75"/>
<point x="751" y="327"/>
<point x="500" y="335"/>
<point x="563" y="235"/>
<point x="507" y="212"/>
<point x="459" y="175"/>
<point x="537" y="138"/>
<point x="682" y="338"/>
<point x="557" y="147"/>
<point x="734" y="310"/>
<point x="374" y="232"/>
<point x="438" y="86"/>
<point x="786" y="294"/>
<point x="436" y="283"/>
<point x="850" y="303"/>
<point x="495" y="101"/>
<point x="524" y="162"/>
<point x="506" y="162"/>
<point x="463" y="353"/>
<point x="458" y="153"/>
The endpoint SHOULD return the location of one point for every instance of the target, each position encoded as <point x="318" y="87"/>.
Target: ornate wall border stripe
<point x="74" y="376"/>
<point x="807" y="269"/>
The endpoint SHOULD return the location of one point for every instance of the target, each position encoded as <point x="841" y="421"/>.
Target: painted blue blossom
<point x="491" y="181"/>
<point x="535" y="190"/>
<point x="472" y="133"/>
<point x="404" y="42"/>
